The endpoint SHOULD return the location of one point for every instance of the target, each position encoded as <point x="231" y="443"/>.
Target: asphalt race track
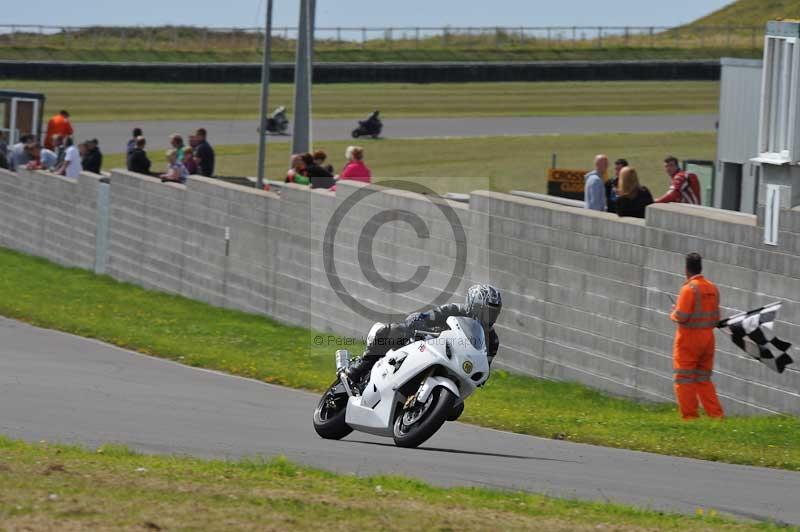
<point x="59" y="387"/>
<point x="113" y="136"/>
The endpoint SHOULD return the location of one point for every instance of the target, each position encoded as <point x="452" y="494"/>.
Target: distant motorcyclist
<point x="277" y="121"/>
<point x="372" y="126"/>
<point x="483" y="303"/>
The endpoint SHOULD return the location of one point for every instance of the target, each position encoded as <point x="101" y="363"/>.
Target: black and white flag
<point x="752" y="332"/>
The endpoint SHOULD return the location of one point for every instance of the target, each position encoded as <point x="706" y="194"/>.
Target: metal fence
<point x="333" y="38"/>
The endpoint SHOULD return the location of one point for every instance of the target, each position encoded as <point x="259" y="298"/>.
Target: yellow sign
<point x="566" y="182"/>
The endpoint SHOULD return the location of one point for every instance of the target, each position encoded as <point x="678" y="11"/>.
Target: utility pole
<point x="301" y="132"/>
<point x="265" y="67"/>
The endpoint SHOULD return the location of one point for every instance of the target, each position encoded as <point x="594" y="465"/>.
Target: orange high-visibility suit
<point x="697" y="314"/>
<point x="58" y="125"/>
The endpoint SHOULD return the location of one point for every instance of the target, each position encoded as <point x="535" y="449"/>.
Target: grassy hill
<point x="749" y="13"/>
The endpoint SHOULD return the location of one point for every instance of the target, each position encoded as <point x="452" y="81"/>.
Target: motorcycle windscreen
<point x="474" y="332"/>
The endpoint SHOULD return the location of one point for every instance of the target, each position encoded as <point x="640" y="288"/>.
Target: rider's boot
<point x="360" y="367"/>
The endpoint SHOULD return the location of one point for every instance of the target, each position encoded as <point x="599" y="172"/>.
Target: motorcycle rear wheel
<point x="329" y="416"/>
<point x="433" y="415"/>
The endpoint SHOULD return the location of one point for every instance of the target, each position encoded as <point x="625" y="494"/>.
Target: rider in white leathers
<point x="483" y="303"/>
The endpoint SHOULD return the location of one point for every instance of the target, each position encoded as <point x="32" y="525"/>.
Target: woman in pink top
<point x="355" y="169"/>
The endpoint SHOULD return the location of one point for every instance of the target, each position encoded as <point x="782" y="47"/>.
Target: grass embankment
<point x="499" y="163"/>
<point x="60" y="487"/>
<point x="749" y="12"/>
<point x="197" y="334"/>
<point x="92" y="101"/>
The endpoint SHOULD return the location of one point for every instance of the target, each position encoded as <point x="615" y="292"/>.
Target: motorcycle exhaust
<point x="342" y="360"/>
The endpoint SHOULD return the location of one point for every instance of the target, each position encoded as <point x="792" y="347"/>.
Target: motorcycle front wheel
<point x="356" y="133"/>
<point x="414" y="426"/>
<point x="330" y="413"/>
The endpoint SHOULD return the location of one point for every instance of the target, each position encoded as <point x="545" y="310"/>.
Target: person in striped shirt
<point x="684" y="186"/>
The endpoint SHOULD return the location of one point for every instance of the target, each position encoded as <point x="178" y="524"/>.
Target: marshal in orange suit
<point x="58" y="125"/>
<point x="697" y="314"/>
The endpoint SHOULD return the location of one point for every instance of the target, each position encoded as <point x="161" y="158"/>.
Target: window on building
<point x="779" y="135"/>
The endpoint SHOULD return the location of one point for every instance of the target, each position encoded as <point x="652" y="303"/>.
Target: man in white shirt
<point x="594" y="188"/>
<point x="71" y="167"/>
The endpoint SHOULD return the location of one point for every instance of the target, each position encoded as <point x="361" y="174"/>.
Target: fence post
<point x="67" y="37"/>
<point x="12" y="39"/>
<point x="600" y="37"/>
<point x="627" y="35"/>
<point x="444" y="37"/>
<point x="175" y="36"/>
<point x="522" y="36"/>
<point x="574" y="35"/>
<point x="548" y="36"/>
<point x="363" y="37"/>
<point x="652" y="37"/>
<point x="338" y="34"/>
<point x="388" y="37"/>
<point x="677" y="38"/>
<point x="416" y="37"/>
<point x="41" y="35"/>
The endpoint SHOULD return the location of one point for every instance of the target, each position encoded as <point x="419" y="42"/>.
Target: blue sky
<point x="363" y="12"/>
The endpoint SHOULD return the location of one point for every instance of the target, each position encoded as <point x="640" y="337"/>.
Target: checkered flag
<point x="752" y="332"/>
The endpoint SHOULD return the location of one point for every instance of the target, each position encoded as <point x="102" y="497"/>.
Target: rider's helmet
<point x="484" y="303"/>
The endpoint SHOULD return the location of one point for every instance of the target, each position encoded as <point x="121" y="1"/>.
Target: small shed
<point x="737" y="139"/>
<point x="21" y="114"/>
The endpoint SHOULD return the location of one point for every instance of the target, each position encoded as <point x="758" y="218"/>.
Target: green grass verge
<point x="197" y="334"/>
<point x="466" y="164"/>
<point x="93" y="101"/>
<point x="58" y="487"/>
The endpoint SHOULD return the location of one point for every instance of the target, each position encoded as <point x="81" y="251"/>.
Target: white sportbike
<point x="412" y="390"/>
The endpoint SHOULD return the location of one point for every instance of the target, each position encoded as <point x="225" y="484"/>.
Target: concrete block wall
<point x="50" y="216"/>
<point x="584" y="291"/>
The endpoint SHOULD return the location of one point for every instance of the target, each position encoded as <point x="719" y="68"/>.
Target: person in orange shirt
<point x="58" y="125"/>
<point x="697" y="315"/>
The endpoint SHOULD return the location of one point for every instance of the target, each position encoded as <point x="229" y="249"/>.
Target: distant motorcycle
<point x="277" y="121"/>
<point x="371" y="127"/>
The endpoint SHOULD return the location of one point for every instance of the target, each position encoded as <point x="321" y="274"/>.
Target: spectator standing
<point x="71" y="167"/>
<point x="176" y="171"/>
<point x="684" y="187"/>
<point x="205" y="152"/>
<point x="632" y="198"/>
<point x="176" y="141"/>
<point x="594" y="190"/>
<point x="611" y="185"/>
<point x="697" y="314"/>
<point x="137" y="159"/>
<point x="19" y="155"/>
<point x="59" y="148"/>
<point x="355" y="168"/>
<point x="297" y="171"/>
<point x="93" y="160"/>
<point x="319" y="159"/>
<point x="137" y="132"/>
<point x="318" y="176"/>
<point x="188" y="160"/>
<point x="42" y="158"/>
<point x="58" y="125"/>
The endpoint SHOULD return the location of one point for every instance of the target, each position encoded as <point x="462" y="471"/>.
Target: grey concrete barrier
<point x="585" y="293"/>
<point x="438" y="72"/>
